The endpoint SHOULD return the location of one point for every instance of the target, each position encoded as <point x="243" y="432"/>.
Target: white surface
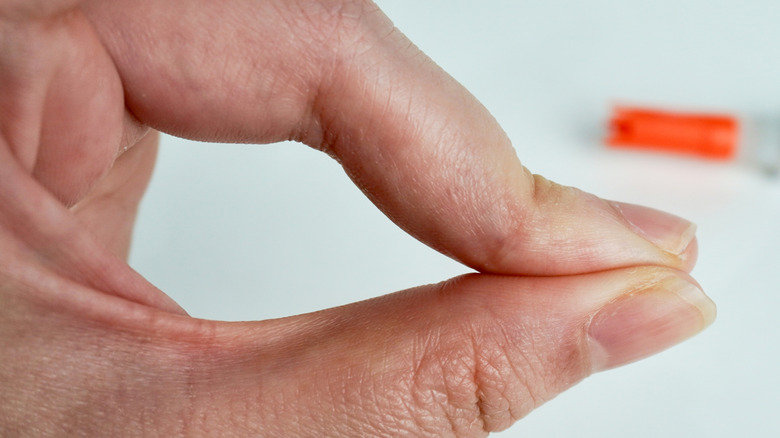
<point x="252" y="232"/>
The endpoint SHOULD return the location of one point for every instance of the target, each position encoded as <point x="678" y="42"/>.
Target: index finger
<point x="338" y="76"/>
<point x="435" y="160"/>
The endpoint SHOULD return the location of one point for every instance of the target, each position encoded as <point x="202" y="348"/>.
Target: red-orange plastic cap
<point x="714" y="136"/>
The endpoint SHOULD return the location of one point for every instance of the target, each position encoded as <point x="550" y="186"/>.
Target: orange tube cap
<point x="713" y="136"/>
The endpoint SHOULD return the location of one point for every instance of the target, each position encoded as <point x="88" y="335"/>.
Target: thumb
<point x="461" y="358"/>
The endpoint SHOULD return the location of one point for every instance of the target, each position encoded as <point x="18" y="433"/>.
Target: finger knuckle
<point x="474" y="382"/>
<point x="483" y="375"/>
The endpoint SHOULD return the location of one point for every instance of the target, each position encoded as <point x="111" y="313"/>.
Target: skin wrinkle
<point x="344" y="63"/>
<point x="322" y="131"/>
<point x="488" y="377"/>
<point x="343" y="26"/>
<point x="442" y="380"/>
<point x="462" y="415"/>
<point x="338" y="59"/>
<point x="491" y="377"/>
<point x="431" y="396"/>
<point x="496" y="373"/>
<point x="503" y="247"/>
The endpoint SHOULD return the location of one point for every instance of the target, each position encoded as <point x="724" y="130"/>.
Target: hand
<point x="570" y="283"/>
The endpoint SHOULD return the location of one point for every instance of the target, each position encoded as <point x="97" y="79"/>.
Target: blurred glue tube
<point x="714" y="136"/>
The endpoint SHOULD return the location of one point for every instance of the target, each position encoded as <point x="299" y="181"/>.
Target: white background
<point x="253" y="232"/>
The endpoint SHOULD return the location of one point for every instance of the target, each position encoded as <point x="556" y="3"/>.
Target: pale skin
<point x="569" y="284"/>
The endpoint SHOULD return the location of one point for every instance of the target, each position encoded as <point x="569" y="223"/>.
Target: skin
<point x="570" y="283"/>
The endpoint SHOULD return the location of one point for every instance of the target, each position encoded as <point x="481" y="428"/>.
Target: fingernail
<point x="646" y="322"/>
<point x="671" y="233"/>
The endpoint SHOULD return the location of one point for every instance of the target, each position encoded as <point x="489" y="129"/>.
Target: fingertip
<point x="562" y="230"/>
<point x="640" y="324"/>
<point x="668" y="232"/>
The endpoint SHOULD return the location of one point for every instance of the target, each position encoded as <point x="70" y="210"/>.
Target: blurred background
<point x="253" y="232"/>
